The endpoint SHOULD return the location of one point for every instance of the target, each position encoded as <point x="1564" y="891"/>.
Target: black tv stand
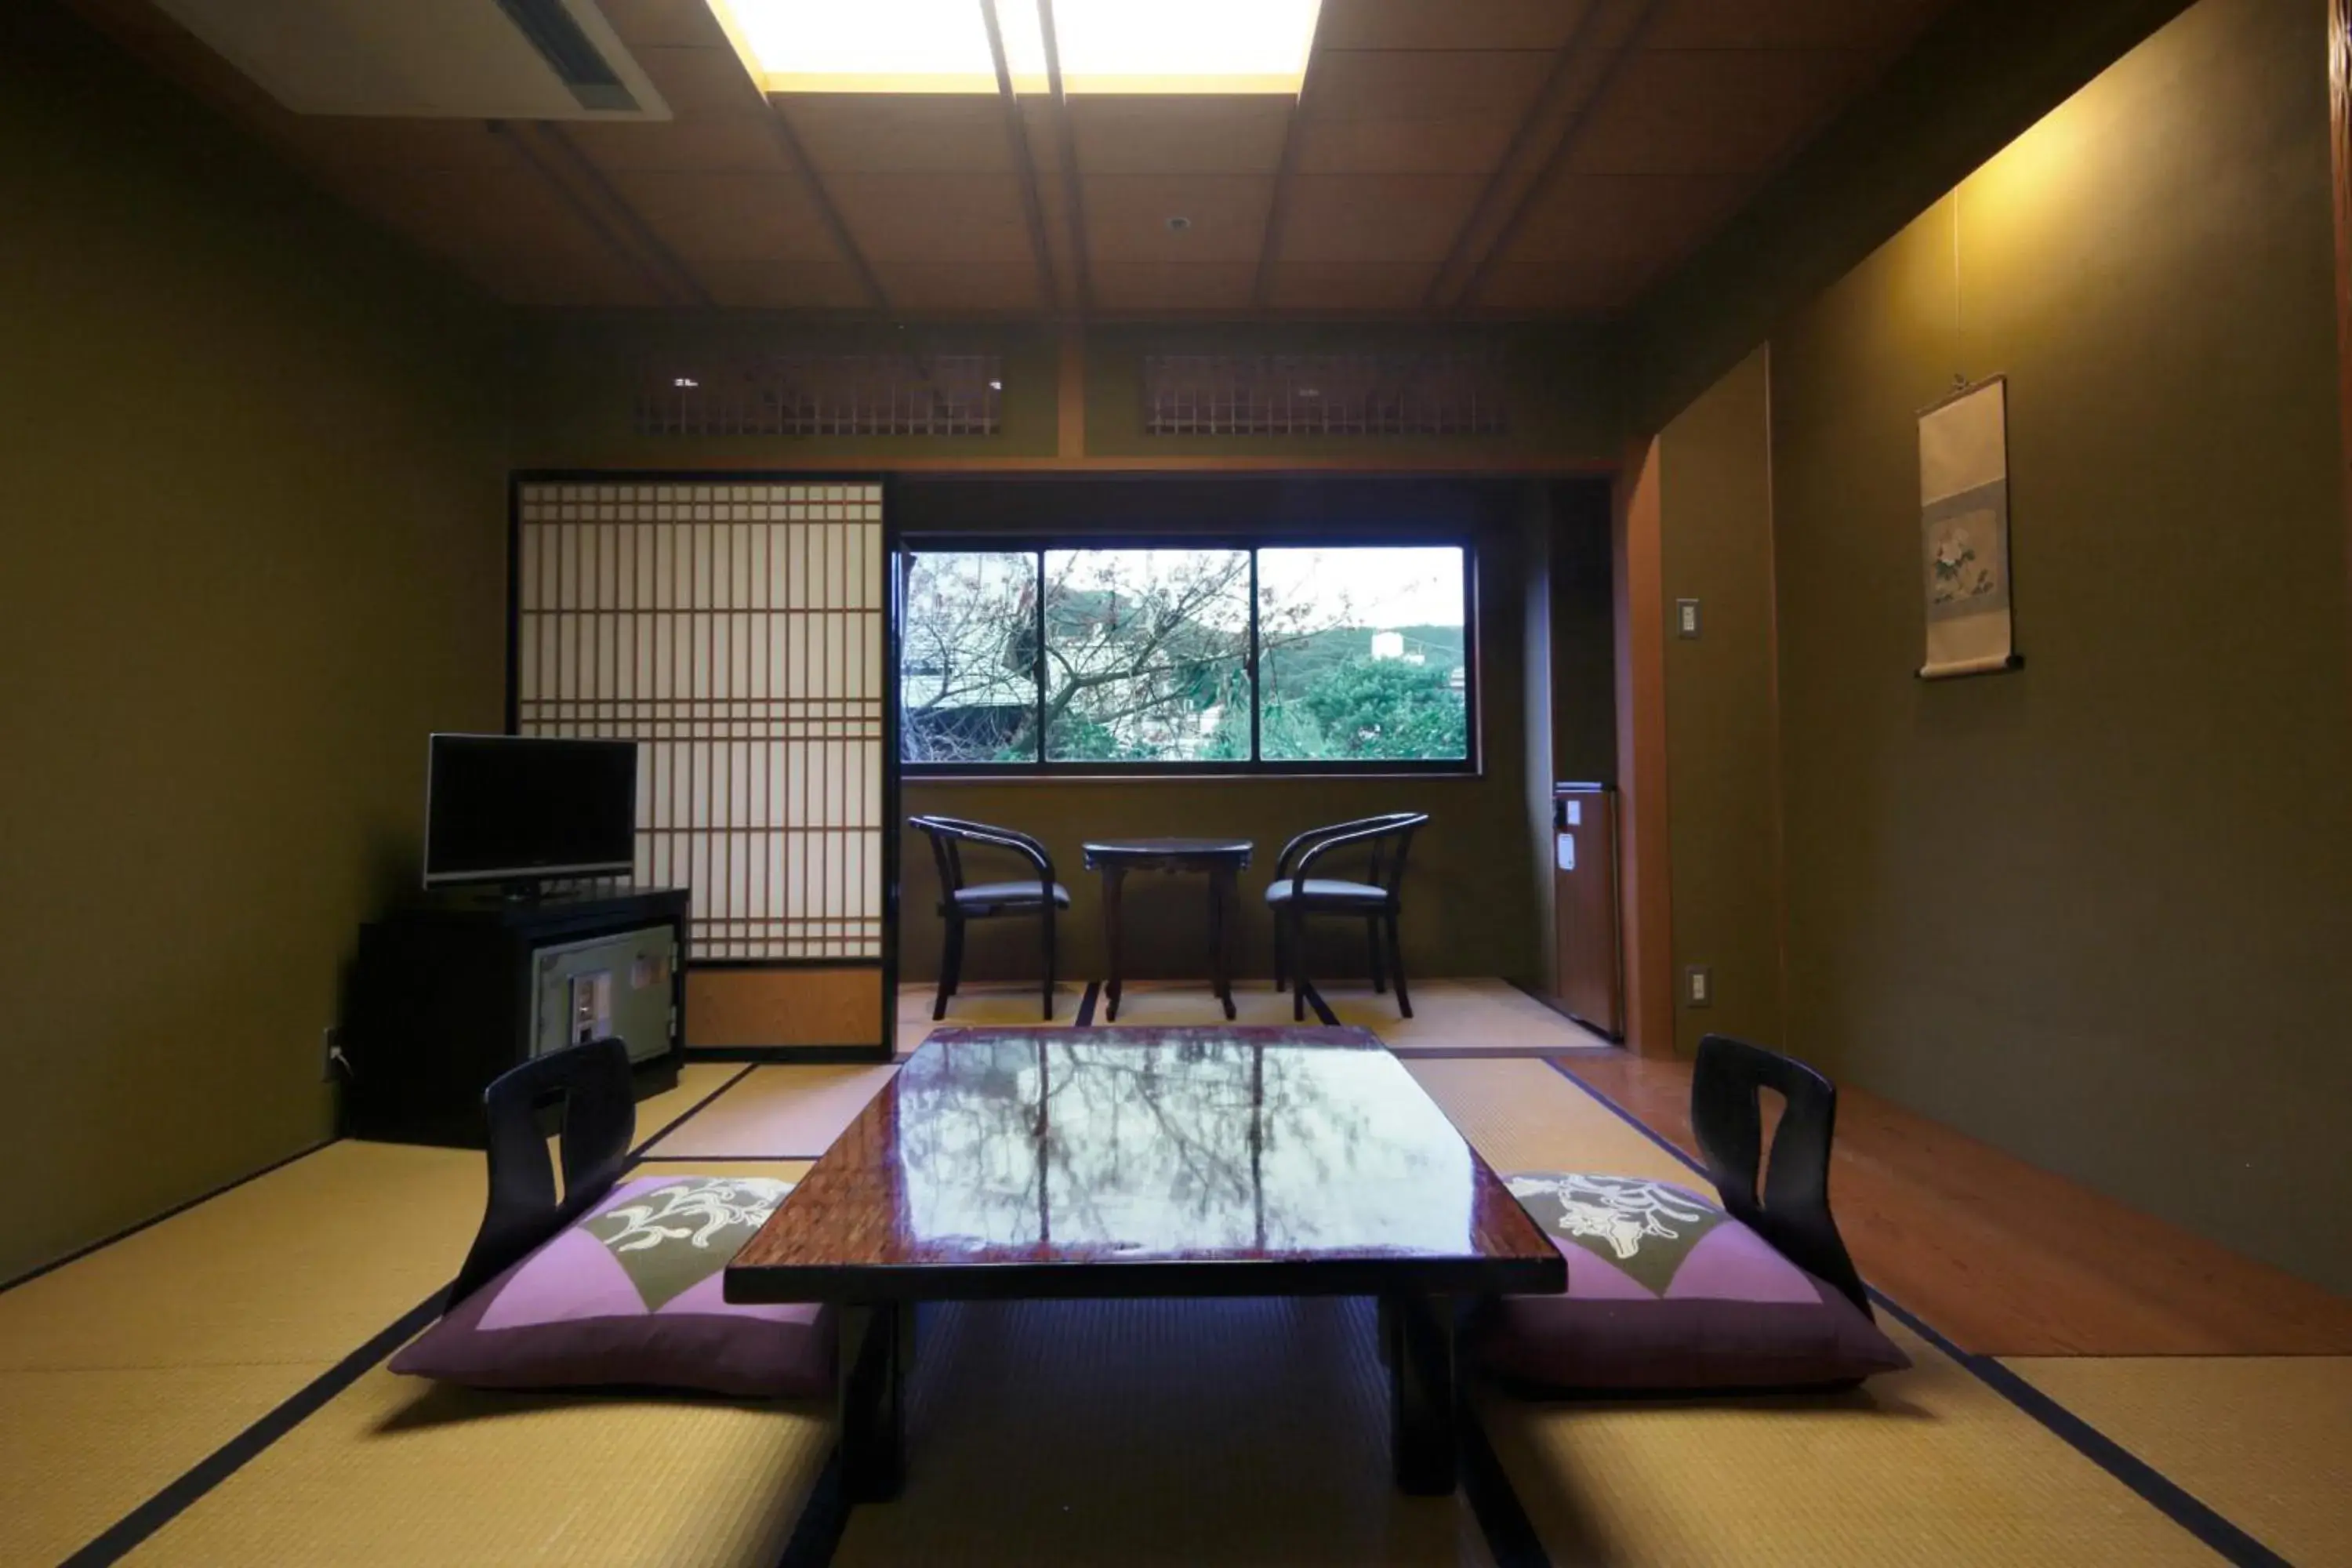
<point x="452" y="990"/>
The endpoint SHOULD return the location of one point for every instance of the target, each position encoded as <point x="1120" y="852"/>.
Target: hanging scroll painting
<point x="1964" y="532"/>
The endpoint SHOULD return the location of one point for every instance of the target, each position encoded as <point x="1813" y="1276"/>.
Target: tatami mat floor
<point x="2265" y="1440"/>
<point x="1162" y="1433"/>
<point x="1219" y="1433"/>
<point x="1451" y="1015"/>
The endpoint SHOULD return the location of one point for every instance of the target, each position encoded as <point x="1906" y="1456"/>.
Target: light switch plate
<point x="1686" y="618"/>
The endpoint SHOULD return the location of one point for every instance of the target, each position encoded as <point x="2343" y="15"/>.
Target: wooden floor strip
<point x="2009" y="1259"/>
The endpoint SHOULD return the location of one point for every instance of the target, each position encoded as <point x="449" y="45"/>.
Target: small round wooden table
<point x="1221" y="859"/>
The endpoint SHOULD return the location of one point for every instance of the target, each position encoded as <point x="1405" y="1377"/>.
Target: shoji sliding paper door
<point x="735" y="631"/>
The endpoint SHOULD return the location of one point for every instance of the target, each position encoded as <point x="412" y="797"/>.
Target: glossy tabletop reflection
<point x="1143" y="1161"/>
<point x="1112" y="851"/>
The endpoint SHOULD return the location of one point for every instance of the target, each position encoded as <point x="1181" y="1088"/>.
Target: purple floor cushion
<point x="1666" y="1291"/>
<point x="630" y="1294"/>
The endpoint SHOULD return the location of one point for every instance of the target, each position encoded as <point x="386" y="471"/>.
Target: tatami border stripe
<point x="129" y="1231"/>
<point x="816" y="1534"/>
<point x="2175" y="1502"/>
<point x="128" y="1532"/>
<point x="133" y="1530"/>
<point x="638" y="1153"/>
<point x="1511" y="1536"/>
<point x="787" y="1055"/>
<point x="2166" y="1496"/>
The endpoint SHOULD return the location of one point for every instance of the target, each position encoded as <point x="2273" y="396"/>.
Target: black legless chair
<point x="591" y="1081"/>
<point x="1793" y="1213"/>
<point x="1297" y="894"/>
<point x="961" y="901"/>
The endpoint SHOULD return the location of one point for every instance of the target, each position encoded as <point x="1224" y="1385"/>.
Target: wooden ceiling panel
<point x="916" y="133"/>
<point x="1691" y="112"/>
<point x="725" y="216"/>
<point x="828" y="285"/>
<point x="1790" y="24"/>
<point x="944" y="220"/>
<point x="1424" y="84"/>
<point x="1207" y="134"/>
<point x="1044" y="123"/>
<point x="1387" y="220"/>
<point x="353" y="141"/>
<point x="989" y="286"/>
<point x="665" y="23"/>
<point x="702" y="83"/>
<point x="735" y="145"/>
<point x="1127" y="218"/>
<point x="506" y="228"/>
<point x="1592" y="241"/>
<point x="1204" y="285"/>
<point x="1403" y="146"/>
<point x="1448" y="24"/>
<point x="1346" y="286"/>
<point x="1410" y="107"/>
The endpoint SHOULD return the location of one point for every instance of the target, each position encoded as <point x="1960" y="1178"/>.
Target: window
<point x="1063" y="657"/>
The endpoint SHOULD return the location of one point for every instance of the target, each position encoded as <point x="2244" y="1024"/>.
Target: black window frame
<point x="1470" y="766"/>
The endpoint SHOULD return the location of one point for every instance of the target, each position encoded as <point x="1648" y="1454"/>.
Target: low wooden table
<point x="1222" y="858"/>
<point x="1036" y="1164"/>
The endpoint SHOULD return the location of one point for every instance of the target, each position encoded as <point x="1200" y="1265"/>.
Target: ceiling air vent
<point x="462" y="59"/>
<point x="565" y="48"/>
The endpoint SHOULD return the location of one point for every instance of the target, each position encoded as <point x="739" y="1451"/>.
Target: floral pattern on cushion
<point x="681" y="1233"/>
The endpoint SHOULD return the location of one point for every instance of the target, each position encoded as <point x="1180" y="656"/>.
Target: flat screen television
<point x="526" y="808"/>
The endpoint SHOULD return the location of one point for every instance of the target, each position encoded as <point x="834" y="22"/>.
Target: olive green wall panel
<point x="251" y="473"/>
<point x="2095" y="910"/>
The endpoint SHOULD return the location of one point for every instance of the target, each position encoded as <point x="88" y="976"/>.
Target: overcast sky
<point x="1382" y="587"/>
<point x="1419" y="587"/>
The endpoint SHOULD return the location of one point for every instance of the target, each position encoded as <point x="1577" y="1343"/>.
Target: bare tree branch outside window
<point x="1143" y="656"/>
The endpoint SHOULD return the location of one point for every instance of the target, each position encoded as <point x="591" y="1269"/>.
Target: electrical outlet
<point x="1698" y="985"/>
<point x="333" y="1064"/>
<point x="1686" y="618"/>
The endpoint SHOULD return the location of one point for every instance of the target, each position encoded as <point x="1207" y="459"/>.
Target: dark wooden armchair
<point x="961" y="902"/>
<point x="1298" y="893"/>
<point x="1792" y="1211"/>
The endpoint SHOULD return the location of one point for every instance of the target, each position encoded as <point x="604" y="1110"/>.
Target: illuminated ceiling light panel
<point x="1104" y="46"/>
<point x="1184" y="46"/>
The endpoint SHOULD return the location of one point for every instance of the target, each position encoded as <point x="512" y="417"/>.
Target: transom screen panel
<point x="735" y="631"/>
<point x="748" y="393"/>
<point x="1451" y="393"/>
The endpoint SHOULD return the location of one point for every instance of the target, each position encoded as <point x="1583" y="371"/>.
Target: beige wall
<point x="2097" y="911"/>
<point x="252" y="529"/>
<point x="1722" y="727"/>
